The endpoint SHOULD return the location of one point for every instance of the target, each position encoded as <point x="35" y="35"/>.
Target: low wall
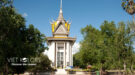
<point x="75" y="73"/>
<point x="114" y="73"/>
<point x="94" y="73"/>
<point x="110" y="73"/>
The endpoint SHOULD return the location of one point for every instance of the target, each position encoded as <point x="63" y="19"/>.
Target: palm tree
<point x="129" y="7"/>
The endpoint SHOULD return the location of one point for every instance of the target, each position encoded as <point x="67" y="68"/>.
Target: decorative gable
<point x="61" y="30"/>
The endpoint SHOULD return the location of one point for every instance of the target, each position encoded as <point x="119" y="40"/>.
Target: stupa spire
<point x="60" y="18"/>
<point x="61" y="5"/>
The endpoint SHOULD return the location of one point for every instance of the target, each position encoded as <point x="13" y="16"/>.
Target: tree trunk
<point x="101" y="70"/>
<point x="124" y="68"/>
<point x="132" y="70"/>
<point x="35" y="73"/>
<point x="133" y="27"/>
<point x="5" y="69"/>
<point x="12" y="73"/>
<point x="119" y="72"/>
<point x="133" y="18"/>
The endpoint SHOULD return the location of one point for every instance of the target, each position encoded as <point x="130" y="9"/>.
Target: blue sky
<point x="81" y="12"/>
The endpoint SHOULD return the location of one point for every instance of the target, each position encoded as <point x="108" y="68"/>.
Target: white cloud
<point x="25" y="14"/>
<point x="75" y="48"/>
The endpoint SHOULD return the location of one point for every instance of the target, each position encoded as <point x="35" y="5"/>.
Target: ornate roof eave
<point x="61" y="38"/>
<point x="61" y="33"/>
<point x="58" y="26"/>
<point x="72" y="40"/>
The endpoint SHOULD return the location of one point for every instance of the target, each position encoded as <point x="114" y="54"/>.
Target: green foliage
<point x="42" y="65"/>
<point x="6" y="3"/>
<point x="132" y="27"/>
<point x="107" y="48"/>
<point x="17" y="40"/>
<point x="77" y="61"/>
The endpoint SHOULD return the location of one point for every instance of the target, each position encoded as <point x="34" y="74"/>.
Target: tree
<point x="124" y="46"/>
<point x="108" y="33"/>
<point x="109" y="47"/>
<point x="17" y="40"/>
<point x="90" y="46"/>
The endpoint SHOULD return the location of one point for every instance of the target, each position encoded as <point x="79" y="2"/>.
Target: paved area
<point x="60" y="72"/>
<point x="57" y="74"/>
<point x="72" y="74"/>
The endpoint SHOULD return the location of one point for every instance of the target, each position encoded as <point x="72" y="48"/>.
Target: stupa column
<point x="70" y="55"/>
<point x="56" y="53"/>
<point x="64" y="56"/>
